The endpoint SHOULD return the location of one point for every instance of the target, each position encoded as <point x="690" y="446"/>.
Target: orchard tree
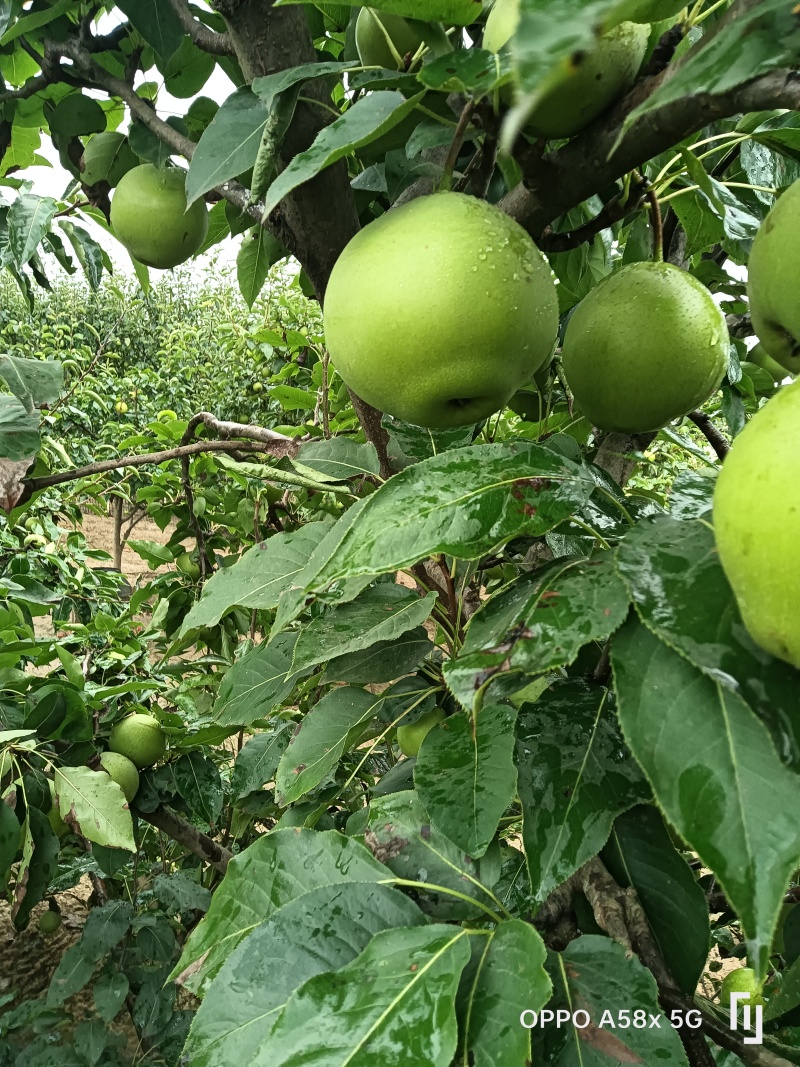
<point x="479" y="741"/>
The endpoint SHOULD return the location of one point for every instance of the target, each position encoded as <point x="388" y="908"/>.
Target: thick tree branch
<point x="561" y="179"/>
<point x="175" y="826"/>
<point x="218" y="44"/>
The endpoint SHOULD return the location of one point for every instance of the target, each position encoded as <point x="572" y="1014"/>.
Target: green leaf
<point x="398" y="994"/>
<point x="279" y="867"/>
<point x="181" y="891"/>
<point x="258" y="761"/>
<point x="253" y="264"/>
<point x="472" y="71"/>
<point x="466" y="776"/>
<point x="401" y="836"/>
<point x="10" y="830"/>
<point x="87" y="251"/>
<point x="229" y="144"/>
<point x="716" y="775"/>
<point x="640" y="853"/>
<point x="322" y="931"/>
<point x="320" y="742"/>
<point x="539" y="622"/>
<point x="37" y="868"/>
<point x="29" y="23"/>
<point x="382" y="662"/>
<point x="575" y="777"/>
<point x="110" y="991"/>
<point x="198" y="782"/>
<point x="681" y="593"/>
<point x="259" y="577"/>
<point x="369" y="118"/>
<point x="157" y="22"/>
<point x="94" y="806"/>
<point x="756" y="41"/>
<point x="339" y="458"/>
<point x="188" y="70"/>
<point x="152" y="552"/>
<point x="29" y="218"/>
<point x="36" y="380"/>
<point x="788" y="996"/>
<point x="504" y="978"/>
<point x="257" y="683"/>
<point x="19" y="431"/>
<point x="455" y="12"/>
<point x="594" y="976"/>
<point x="382" y="613"/>
<point x="105" y="927"/>
<point x="463" y="503"/>
<point x="70" y="976"/>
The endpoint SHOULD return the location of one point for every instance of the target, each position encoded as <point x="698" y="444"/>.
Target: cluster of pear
<point x="135" y="742"/>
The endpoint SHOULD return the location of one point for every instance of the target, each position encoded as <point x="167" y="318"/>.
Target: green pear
<point x="742" y="980"/>
<point x="648" y="10"/>
<point x="385" y="40"/>
<point x="761" y="358"/>
<point x="647" y="345"/>
<point x="584" y="85"/>
<point x="774" y="280"/>
<point x="757" y="524"/>
<point x="440" y="310"/>
<point x="49" y="921"/>
<point x="122" y="771"/>
<point x="411" y="736"/>
<point x="140" y="738"/>
<point x="150" y="217"/>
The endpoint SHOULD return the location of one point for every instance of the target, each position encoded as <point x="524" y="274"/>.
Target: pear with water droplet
<point x="647" y="345"/>
<point x="585" y="84"/>
<point x="774" y="281"/>
<point x="757" y="524"/>
<point x="440" y="310"/>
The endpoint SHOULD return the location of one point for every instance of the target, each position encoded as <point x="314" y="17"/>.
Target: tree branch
<point x="602" y="153"/>
<point x="199" y="844"/>
<point x="616" y="208"/>
<point x="32" y="485"/>
<point x="710" y="432"/>
<point x="218" y="44"/>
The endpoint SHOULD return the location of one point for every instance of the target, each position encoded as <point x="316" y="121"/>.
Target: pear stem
<point x="455" y="147"/>
<point x="658" y="226"/>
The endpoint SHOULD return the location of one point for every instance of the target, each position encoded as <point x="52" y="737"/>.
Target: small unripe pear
<point x="757" y="524"/>
<point x="122" y="771"/>
<point x="411" y="736"/>
<point x="773" y="281"/>
<point x="140" y="738"/>
<point x="374" y="32"/>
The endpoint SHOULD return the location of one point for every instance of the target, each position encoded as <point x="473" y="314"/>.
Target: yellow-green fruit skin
<point x="372" y="28"/>
<point x="773" y="281"/>
<point x="763" y="359"/>
<point x="439" y="311"/>
<point x="122" y="771"/>
<point x="49" y="922"/>
<point x="742" y="980"/>
<point x="140" y="738"/>
<point x="149" y="216"/>
<point x="647" y="345"/>
<point x="649" y="10"/>
<point x="410" y="737"/>
<point x="757" y="524"/>
<point x="584" y="89"/>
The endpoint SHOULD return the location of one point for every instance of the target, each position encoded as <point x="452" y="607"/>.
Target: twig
<point x="616" y="208"/>
<point x="218" y="44"/>
<point x="456" y="143"/>
<point x="657" y="224"/>
<point x="710" y="432"/>
<point x="34" y="484"/>
<point x="199" y="844"/>
<point x="371" y="420"/>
